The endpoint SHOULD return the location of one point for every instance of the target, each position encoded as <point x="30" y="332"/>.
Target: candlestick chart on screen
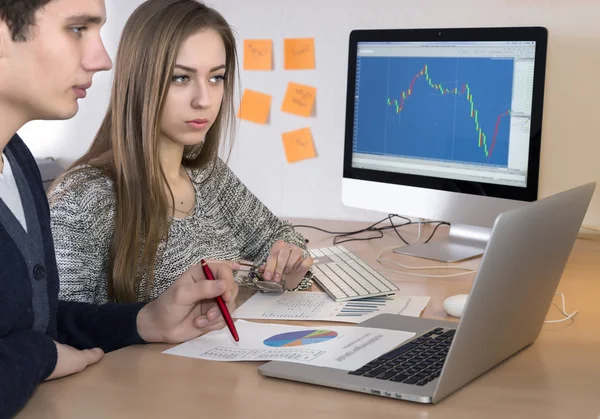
<point x="434" y="108"/>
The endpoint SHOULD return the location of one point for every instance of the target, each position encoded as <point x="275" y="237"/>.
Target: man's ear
<point x="4" y="38"/>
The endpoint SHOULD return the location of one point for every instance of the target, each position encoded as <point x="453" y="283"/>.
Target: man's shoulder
<point x="17" y="147"/>
<point x="16" y="141"/>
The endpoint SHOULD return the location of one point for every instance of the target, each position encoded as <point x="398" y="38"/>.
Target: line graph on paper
<point x="434" y="108"/>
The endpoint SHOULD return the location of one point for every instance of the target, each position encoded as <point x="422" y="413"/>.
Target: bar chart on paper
<point x="434" y="108"/>
<point x="319" y="306"/>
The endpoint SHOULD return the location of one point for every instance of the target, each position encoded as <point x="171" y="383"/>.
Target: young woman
<point x="151" y="197"/>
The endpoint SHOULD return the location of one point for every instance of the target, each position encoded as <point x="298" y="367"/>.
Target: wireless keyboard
<point x="344" y="276"/>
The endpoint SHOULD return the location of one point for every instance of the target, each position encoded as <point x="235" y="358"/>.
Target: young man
<point x="49" y="51"/>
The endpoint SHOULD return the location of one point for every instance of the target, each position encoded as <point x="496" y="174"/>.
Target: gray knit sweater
<point x="228" y="223"/>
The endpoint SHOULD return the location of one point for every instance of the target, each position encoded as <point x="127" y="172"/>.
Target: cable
<point x="563" y="310"/>
<point x="418" y="234"/>
<point x="380" y="260"/>
<point x="343" y="236"/>
<point x="373" y="228"/>
<point x="345" y="233"/>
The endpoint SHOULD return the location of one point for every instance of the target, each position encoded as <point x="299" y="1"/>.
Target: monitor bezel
<point x="531" y="33"/>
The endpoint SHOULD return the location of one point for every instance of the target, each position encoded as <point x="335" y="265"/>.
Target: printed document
<point x="342" y="347"/>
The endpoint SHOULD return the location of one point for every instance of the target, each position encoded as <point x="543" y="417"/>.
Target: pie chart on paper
<point x="300" y="338"/>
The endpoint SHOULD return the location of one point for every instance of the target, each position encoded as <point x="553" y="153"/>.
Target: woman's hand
<point x="285" y="262"/>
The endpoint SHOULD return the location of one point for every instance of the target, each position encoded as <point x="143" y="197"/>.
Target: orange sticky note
<point x="258" y="54"/>
<point x="298" y="145"/>
<point x="299" y="99"/>
<point x="255" y="106"/>
<point x="299" y="53"/>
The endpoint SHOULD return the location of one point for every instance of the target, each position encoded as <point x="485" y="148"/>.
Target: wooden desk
<point x="556" y="377"/>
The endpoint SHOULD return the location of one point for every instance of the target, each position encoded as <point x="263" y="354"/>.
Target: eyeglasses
<point x="254" y="279"/>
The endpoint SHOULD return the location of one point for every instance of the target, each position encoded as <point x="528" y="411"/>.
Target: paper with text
<point x="299" y="99"/>
<point x="318" y="306"/>
<point x="255" y="106"/>
<point x="299" y="53"/>
<point x="341" y="347"/>
<point x="298" y="145"/>
<point x="258" y="54"/>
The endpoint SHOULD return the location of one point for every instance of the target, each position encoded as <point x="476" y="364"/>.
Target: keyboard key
<point x="335" y="258"/>
<point x="395" y="362"/>
<point x="372" y="365"/>
<point x="357" y="372"/>
<point x="399" y="378"/>
<point x="386" y="375"/>
<point x="398" y="351"/>
<point x="450" y="332"/>
<point x="318" y="253"/>
<point x="375" y="372"/>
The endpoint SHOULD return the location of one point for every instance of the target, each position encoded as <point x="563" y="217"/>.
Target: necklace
<point x="186" y="212"/>
<point x="181" y="202"/>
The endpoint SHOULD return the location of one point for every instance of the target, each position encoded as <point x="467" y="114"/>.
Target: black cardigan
<point x="31" y="316"/>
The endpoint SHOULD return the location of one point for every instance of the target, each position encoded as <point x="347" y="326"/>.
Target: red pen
<point x="221" y="303"/>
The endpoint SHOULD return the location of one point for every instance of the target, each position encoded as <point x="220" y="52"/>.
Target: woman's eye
<point x="180" y="79"/>
<point x="217" y="79"/>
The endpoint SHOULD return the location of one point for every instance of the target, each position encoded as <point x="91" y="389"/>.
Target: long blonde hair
<point x="126" y="146"/>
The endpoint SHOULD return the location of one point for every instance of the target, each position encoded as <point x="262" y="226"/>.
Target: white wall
<point x="570" y="146"/>
<point x="68" y="140"/>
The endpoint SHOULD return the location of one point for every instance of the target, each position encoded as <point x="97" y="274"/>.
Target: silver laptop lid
<point x="518" y="276"/>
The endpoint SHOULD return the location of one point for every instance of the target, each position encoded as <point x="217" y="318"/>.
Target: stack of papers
<point x="318" y="306"/>
<point x="342" y="347"/>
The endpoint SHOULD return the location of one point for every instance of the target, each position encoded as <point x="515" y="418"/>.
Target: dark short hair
<point x="19" y="15"/>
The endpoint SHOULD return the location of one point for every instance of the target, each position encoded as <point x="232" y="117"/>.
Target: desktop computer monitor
<point x="444" y="124"/>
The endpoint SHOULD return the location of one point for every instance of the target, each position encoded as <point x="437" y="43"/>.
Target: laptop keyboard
<point x="416" y="362"/>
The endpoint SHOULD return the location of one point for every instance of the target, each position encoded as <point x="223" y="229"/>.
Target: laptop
<point x="504" y="313"/>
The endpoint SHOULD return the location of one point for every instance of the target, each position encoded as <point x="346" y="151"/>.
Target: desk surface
<point x="556" y="377"/>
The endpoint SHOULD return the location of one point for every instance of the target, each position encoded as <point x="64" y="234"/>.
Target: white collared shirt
<point x="9" y="193"/>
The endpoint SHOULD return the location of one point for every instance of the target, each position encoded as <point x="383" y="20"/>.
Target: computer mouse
<point x="455" y="304"/>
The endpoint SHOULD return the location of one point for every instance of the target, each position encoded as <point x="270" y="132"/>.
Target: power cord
<point x="563" y="311"/>
<point x="341" y="237"/>
<point x="346" y="236"/>
<point x="380" y="260"/>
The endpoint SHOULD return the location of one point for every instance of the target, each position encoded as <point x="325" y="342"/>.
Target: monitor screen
<point x="459" y="110"/>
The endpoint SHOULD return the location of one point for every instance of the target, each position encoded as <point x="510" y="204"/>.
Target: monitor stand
<point x="463" y="242"/>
